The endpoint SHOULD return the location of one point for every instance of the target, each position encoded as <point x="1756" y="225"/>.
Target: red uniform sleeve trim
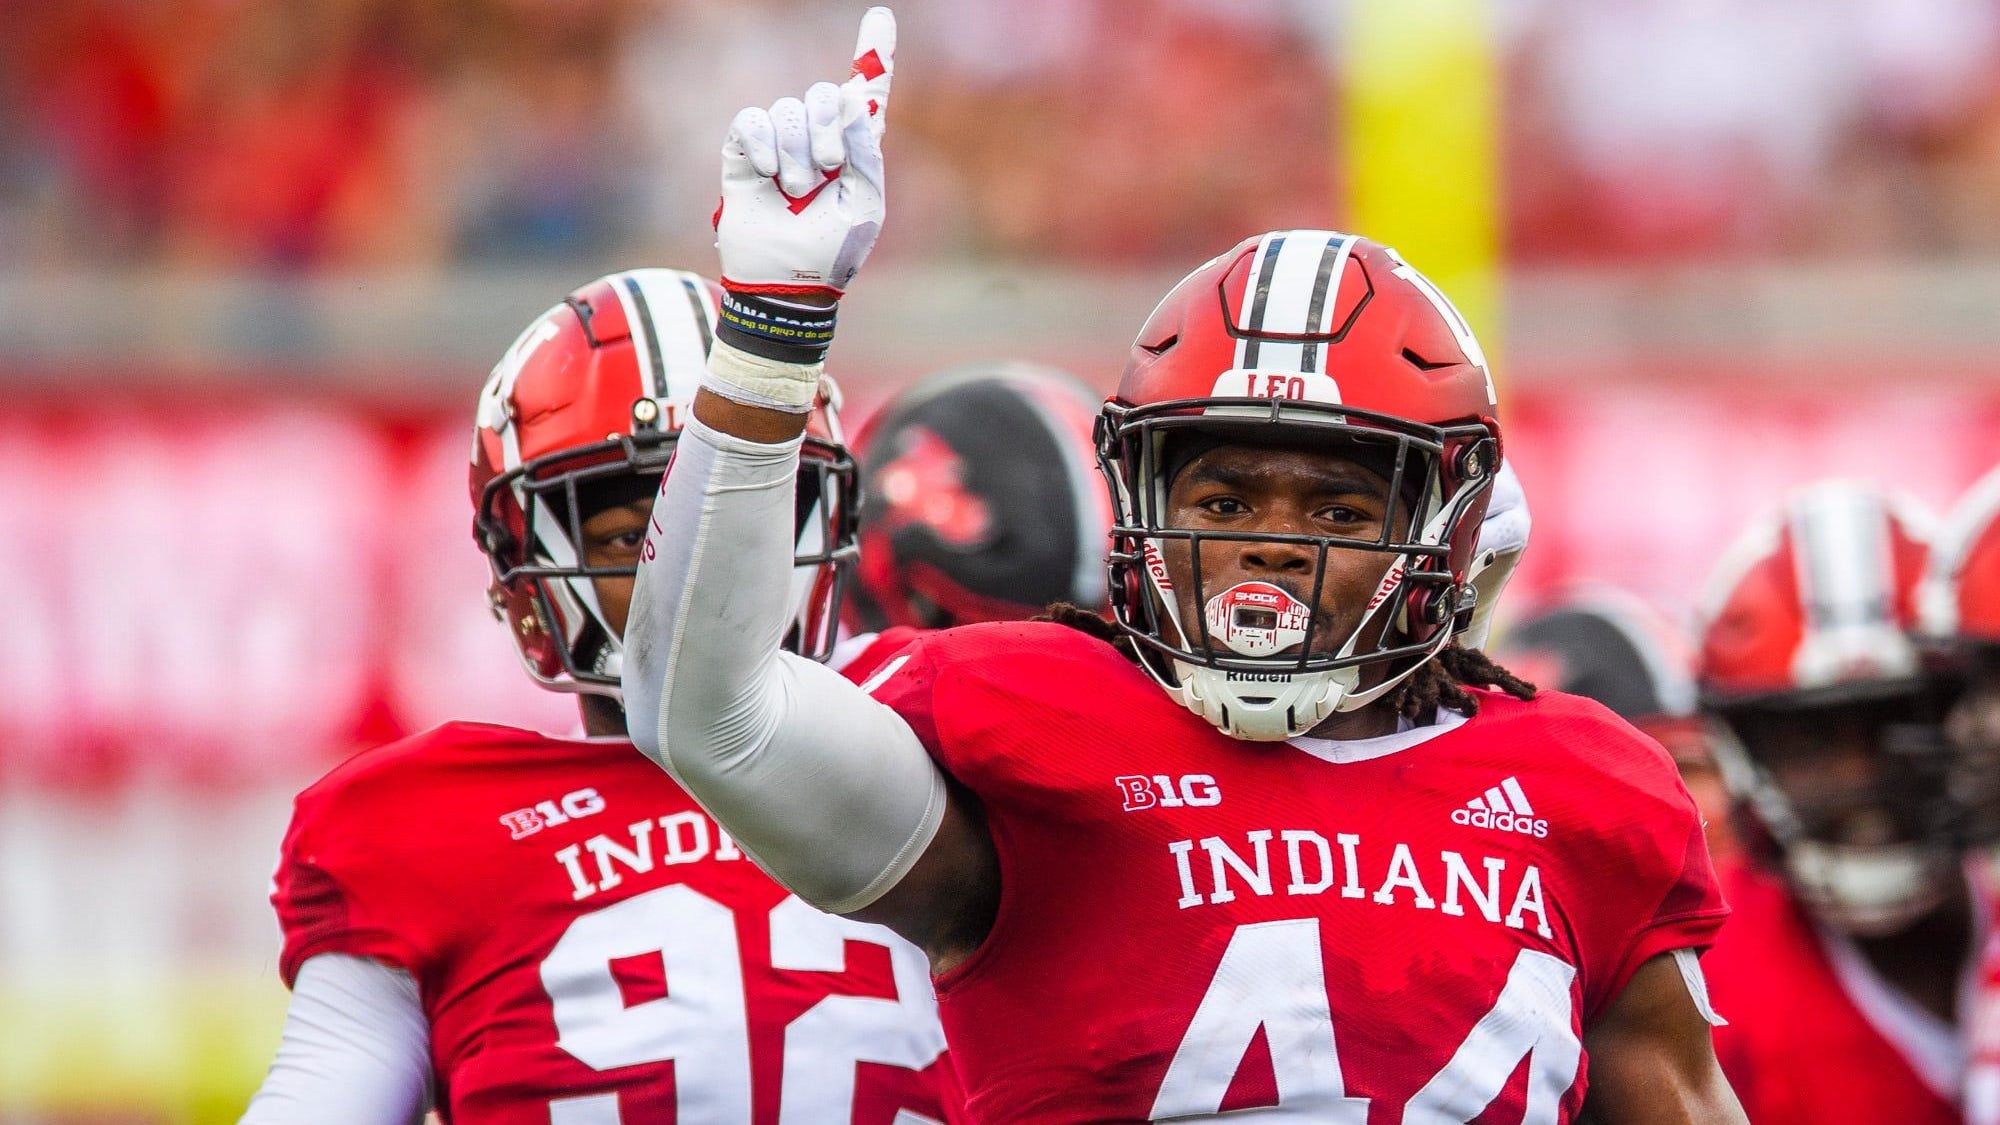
<point x="1688" y="915"/>
<point x="378" y="944"/>
<point x="1663" y="935"/>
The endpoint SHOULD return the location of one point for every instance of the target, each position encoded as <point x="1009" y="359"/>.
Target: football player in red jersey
<point x="983" y="502"/>
<point x="1285" y="849"/>
<point x="1959" y="614"/>
<point x="1856" y="926"/>
<point x="524" y="929"/>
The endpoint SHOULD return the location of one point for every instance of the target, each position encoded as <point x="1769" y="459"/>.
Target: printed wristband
<point x="774" y="329"/>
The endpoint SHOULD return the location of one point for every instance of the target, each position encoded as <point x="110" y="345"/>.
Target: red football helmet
<point x="1819" y="600"/>
<point x="1961" y="593"/>
<point x="1806" y="658"/>
<point x="983" y="502"/>
<point x="1331" y="340"/>
<point x="585" y="406"/>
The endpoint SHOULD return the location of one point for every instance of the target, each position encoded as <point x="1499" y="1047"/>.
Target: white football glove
<point x="802" y="183"/>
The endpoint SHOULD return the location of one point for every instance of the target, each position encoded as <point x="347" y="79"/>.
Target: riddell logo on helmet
<point x="1388" y="586"/>
<point x="1503" y="808"/>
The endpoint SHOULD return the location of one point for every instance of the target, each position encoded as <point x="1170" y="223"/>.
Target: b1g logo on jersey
<point x="1504" y="808"/>
<point x="523" y="823"/>
<point x="1160" y="791"/>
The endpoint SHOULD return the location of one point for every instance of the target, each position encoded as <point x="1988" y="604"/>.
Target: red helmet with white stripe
<point x="1817" y="601"/>
<point x="1829" y="724"/>
<point x="1961" y="595"/>
<point x="582" y="411"/>
<point x="1324" y="340"/>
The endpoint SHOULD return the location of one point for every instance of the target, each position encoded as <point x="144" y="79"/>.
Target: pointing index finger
<point x="874" y="65"/>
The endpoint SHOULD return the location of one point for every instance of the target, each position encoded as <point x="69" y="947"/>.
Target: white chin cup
<point x="1868" y="891"/>
<point x="1262" y="706"/>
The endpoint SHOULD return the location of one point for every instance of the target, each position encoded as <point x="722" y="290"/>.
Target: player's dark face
<point x="1972" y="732"/>
<point x="1837" y="767"/>
<point x="1973" y="725"/>
<point x="614" y="537"/>
<point x="1240" y="488"/>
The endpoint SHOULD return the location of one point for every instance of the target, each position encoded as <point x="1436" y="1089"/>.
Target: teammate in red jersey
<point x="1959" y="615"/>
<point x="526" y="930"/>
<point x="1327" y="871"/>
<point x="983" y="502"/>
<point x="1856" y="926"/>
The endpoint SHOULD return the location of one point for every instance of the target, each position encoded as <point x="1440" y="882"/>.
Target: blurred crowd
<point x="299" y="134"/>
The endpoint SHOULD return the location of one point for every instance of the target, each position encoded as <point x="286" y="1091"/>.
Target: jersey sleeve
<point x="1689" y="913"/>
<point x="997" y="704"/>
<point x="323" y="895"/>
<point x="1675" y="899"/>
<point x="877" y="650"/>
<point x="905" y="679"/>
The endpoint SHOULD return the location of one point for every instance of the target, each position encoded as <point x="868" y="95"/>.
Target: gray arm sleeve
<point x="827" y="789"/>
<point x="355" y="1049"/>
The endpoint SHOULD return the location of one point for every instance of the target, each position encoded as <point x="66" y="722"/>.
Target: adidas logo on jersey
<point x="1504" y="808"/>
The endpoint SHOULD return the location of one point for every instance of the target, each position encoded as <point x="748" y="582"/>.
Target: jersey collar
<point x="1341" y="751"/>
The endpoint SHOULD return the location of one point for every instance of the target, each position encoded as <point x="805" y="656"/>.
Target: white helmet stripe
<point x="645" y="340"/>
<point x="682" y="331"/>
<point x="1842" y="560"/>
<point x="700" y="310"/>
<point x="1257" y="291"/>
<point x="1293" y="290"/>
<point x="669" y="317"/>
<point x="1842" y="537"/>
<point x="1326" y="284"/>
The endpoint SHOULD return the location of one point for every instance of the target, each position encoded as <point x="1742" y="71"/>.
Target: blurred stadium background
<point x="256" y="257"/>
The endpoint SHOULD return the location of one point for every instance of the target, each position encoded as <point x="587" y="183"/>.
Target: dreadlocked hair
<point x="1441" y="682"/>
<point x="1091" y="624"/>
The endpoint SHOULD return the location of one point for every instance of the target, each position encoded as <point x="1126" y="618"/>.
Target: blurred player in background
<point x="1615" y="647"/>
<point x="983" y="500"/>
<point x="1961" y="627"/>
<point x="1857" y="924"/>
<point x="531" y="930"/>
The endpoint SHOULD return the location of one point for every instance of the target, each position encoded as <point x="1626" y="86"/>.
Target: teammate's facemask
<point x="1860" y="797"/>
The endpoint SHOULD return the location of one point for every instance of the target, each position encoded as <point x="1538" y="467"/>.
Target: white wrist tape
<point x="755" y="381"/>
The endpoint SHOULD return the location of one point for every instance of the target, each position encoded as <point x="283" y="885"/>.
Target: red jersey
<point x="1412" y="929"/>
<point x="1801" y="1046"/>
<point x="591" y="948"/>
